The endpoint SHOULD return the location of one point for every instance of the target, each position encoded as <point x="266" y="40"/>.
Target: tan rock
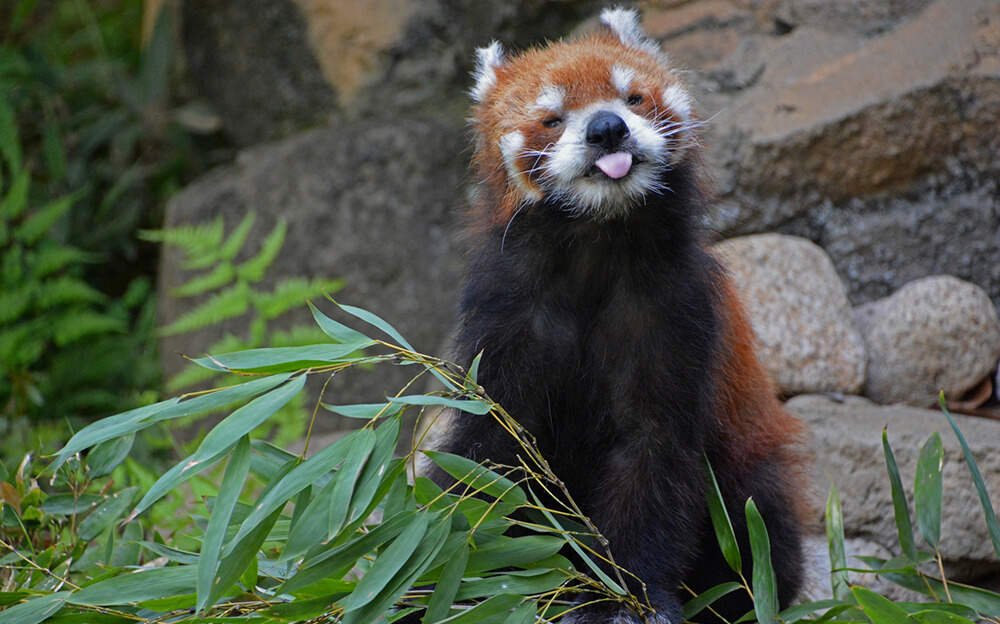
<point x="937" y="333"/>
<point x="799" y="311"/>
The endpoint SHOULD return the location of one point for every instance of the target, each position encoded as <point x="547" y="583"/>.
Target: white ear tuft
<point x="488" y="59"/>
<point x="625" y="24"/>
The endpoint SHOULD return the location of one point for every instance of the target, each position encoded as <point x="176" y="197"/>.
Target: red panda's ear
<point x="624" y="23"/>
<point x="488" y="59"/>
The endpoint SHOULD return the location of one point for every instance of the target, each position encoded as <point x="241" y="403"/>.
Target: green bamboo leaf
<point x="222" y="438"/>
<point x="218" y="522"/>
<point x="447" y="586"/>
<point x="234" y="243"/>
<point x="378" y="474"/>
<point x="389" y="563"/>
<point x="335" y="563"/>
<point x="697" y="604"/>
<point x="302" y="610"/>
<point x="277" y="359"/>
<point x="496" y="610"/>
<point x="878" y="609"/>
<point x="140" y="418"/>
<point x="302" y="476"/>
<point x="113" y="508"/>
<point x="983" y="601"/>
<point x="377" y="322"/>
<point x="527" y="582"/>
<point x="325" y="516"/>
<point x="801" y="611"/>
<point x="34" y="610"/>
<point x="903" y="526"/>
<point x="927" y="490"/>
<point x="338" y="331"/>
<point x="107" y="455"/>
<point x="474" y="368"/>
<point x="366" y="411"/>
<point x="241" y="561"/>
<point x="415" y="565"/>
<point x="479" y="478"/>
<point x="506" y="552"/>
<point x="601" y="574"/>
<point x="984" y="497"/>
<point x="764" y="582"/>
<point x="934" y="616"/>
<point x="137" y="586"/>
<point x="527" y="613"/>
<point x="473" y="406"/>
<point x="724" y="534"/>
<point x="839" y="579"/>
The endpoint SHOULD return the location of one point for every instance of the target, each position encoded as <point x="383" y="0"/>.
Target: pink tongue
<point x="615" y="165"/>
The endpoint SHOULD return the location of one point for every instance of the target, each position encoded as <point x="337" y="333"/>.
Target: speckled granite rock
<point x="937" y="333"/>
<point x="800" y="312"/>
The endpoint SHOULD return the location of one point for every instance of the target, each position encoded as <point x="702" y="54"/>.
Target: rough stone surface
<point x="937" y="333"/>
<point x="370" y="203"/>
<point x="845" y="437"/>
<point x="799" y="311"/>
<point x="871" y="128"/>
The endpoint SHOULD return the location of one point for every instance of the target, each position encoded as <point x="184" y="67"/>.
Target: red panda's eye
<point x="634" y="100"/>
<point x="552" y="122"/>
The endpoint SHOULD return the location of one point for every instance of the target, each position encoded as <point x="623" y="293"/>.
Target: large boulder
<point x="799" y="311"/>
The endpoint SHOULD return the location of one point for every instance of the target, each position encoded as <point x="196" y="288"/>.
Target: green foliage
<point x="51" y="320"/>
<point x="344" y="535"/>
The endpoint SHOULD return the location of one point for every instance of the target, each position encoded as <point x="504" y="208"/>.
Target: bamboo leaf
<point x="472" y="406"/>
<point x="903" y="526"/>
<point x="697" y="604"/>
<point x="113" y="508"/>
<point x="927" y="490"/>
<point x="493" y="611"/>
<point x="723" y="526"/>
<point x="977" y="479"/>
<point x="377" y="322"/>
<point x="527" y="582"/>
<point x="878" y="609"/>
<point x="143" y="584"/>
<point x="505" y="552"/>
<point x="222" y="438"/>
<point x="338" y="331"/>
<point x="479" y="478"/>
<point x="764" y="582"/>
<point x="366" y="411"/>
<point x="839" y="579"/>
<point x="218" y="522"/>
<point x="447" y="587"/>
<point x="107" y="455"/>
<point x="277" y="359"/>
<point x="800" y="611"/>
<point x="35" y="610"/>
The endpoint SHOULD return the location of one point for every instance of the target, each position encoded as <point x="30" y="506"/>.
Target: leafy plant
<point x="344" y="536"/>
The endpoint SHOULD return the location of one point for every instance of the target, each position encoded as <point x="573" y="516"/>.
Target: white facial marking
<point x="622" y="78"/>
<point x="677" y="99"/>
<point x="512" y="148"/>
<point x="550" y="99"/>
<point x="488" y="59"/>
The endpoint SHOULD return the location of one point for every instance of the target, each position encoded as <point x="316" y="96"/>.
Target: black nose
<point x="606" y="130"/>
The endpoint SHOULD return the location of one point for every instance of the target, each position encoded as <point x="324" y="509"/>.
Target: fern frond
<point x="78" y="323"/>
<point x="67" y="290"/>
<point x="236" y="239"/>
<point x="14" y="303"/>
<point x="230" y="303"/>
<point x="40" y="221"/>
<point x="253" y="270"/>
<point x="199" y="242"/>
<point x="222" y="274"/>
<point x="45" y="261"/>
<point x="22" y="345"/>
<point x="16" y="199"/>
<point x="291" y="293"/>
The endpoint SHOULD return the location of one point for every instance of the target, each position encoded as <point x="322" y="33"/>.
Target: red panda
<point x="605" y="327"/>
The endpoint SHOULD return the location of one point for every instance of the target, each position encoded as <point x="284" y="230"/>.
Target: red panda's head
<point x="593" y="122"/>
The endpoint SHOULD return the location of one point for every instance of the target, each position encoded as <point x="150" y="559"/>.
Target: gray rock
<point x="937" y="333"/>
<point x="799" y="311"/>
<point x="370" y="203"/>
<point x="845" y="438"/>
<point x="816" y="584"/>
